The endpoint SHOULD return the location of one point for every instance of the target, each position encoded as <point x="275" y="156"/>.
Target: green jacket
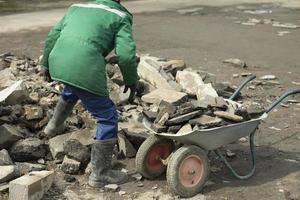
<point x="77" y="45"/>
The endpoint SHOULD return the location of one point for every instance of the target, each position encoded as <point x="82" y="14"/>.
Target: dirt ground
<point x="203" y="40"/>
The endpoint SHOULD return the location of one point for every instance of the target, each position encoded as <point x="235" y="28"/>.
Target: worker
<point x="74" y="55"/>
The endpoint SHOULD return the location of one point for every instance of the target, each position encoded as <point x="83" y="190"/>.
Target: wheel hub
<point x="155" y="156"/>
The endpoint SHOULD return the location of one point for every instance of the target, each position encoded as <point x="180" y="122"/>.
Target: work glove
<point x="46" y="75"/>
<point x="132" y="92"/>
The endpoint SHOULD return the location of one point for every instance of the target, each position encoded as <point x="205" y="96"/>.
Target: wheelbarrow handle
<point x="241" y="87"/>
<point x="281" y="98"/>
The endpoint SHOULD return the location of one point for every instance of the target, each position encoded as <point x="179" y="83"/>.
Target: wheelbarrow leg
<point x="253" y="160"/>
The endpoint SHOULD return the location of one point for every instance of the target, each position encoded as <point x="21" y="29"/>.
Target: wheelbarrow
<point x="187" y="168"/>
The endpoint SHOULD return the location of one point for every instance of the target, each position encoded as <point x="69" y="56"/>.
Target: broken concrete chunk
<point x="70" y="166"/>
<point x="158" y="128"/>
<point x="236" y="62"/>
<point x="7" y="79"/>
<point x="5" y="158"/>
<point x="185" y="129"/>
<point x="76" y="150"/>
<point x="169" y="96"/>
<point x="8" y="173"/>
<point x="205" y="91"/>
<point x="33" y="112"/>
<point x="28" y="149"/>
<point x="111" y="187"/>
<point x="26" y="167"/>
<point x="149" y="73"/>
<point x="206" y="120"/>
<point x="125" y="146"/>
<point x="8" y="135"/>
<point x="56" y="145"/>
<point x="190" y="81"/>
<point x="183" y="118"/>
<point x="228" y="116"/>
<point x="31" y="186"/>
<point x="14" y="94"/>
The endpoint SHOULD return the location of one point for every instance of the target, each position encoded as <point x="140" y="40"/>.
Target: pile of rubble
<point x="175" y="98"/>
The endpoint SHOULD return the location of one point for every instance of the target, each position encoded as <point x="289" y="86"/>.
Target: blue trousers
<point x="102" y="108"/>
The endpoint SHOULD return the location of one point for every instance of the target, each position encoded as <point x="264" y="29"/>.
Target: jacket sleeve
<point x="51" y="40"/>
<point x="126" y="53"/>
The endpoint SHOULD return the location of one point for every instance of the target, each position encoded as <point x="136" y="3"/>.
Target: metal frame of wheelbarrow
<point x="212" y="139"/>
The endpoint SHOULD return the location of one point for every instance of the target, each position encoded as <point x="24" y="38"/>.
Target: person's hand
<point x="46" y="75"/>
<point x="132" y="92"/>
<point x="112" y="59"/>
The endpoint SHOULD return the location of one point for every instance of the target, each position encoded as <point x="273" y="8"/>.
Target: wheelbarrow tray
<point x="213" y="138"/>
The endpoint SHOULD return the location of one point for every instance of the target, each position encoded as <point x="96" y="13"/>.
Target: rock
<point x="174" y="129"/>
<point x="151" y="116"/>
<point x="163" y="108"/>
<point x="158" y="128"/>
<point x="199" y="105"/>
<point x="136" y="133"/>
<point x="183" y="118"/>
<point x="268" y="77"/>
<point x="26" y="167"/>
<point x="230" y="154"/>
<point x="206" y="120"/>
<point x="4" y="187"/>
<point x="8" y="135"/>
<point x="28" y="149"/>
<point x="70" y="179"/>
<point x="220" y="103"/>
<point x="75" y="150"/>
<point x="70" y="166"/>
<point x="56" y="145"/>
<point x="224" y="89"/>
<point x="6" y="78"/>
<point x="34" y="96"/>
<point x="228" y="116"/>
<point x="185" y="129"/>
<point x="85" y="136"/>
<point x="190" y="81"/>
<point x="33" y="112"/>
<point x="254" y="109"/>
<point x="173" y="66"/>
<point x="206" y="91"/>
<point x="163" y="119"/>
<point x="191" y="11"/>
<point x="235" y="62"/>
<point x="184" y="109"/>
<point x="14" y="94"/>
<point x="169" y="96"/>
<point x="285" y="25"/>
<point x="88" y="169"/>
<point x="151" y="74"/>
<point x="8" y="173"/>
<point x="125" y="146"/>
<point x="121" y="193"/>
<point x="5" y="158"/>
<point x="137" y="177"/>
<point x="242" y="111"/>
<point x="111" y="187"/>
<point x="31" y="186"/>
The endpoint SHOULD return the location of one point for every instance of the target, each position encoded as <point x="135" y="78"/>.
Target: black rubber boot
<point x="56" y="124"/>
<point x="101" y="157"/>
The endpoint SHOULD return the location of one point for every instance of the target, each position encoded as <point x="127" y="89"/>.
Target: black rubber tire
<point x="142" y="155"/>
<point x="173" y="170"/>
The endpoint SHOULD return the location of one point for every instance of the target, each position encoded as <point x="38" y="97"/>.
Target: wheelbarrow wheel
<point x="150" y="155"/>
<point x="188" y="170"/>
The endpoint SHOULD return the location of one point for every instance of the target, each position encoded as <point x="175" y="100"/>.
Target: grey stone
<point x="184" y="108"/>
<point x="190" y="81"/>
<point x="31" y="186"/>
<point x="224" y="89"/>
<point x="28" y="149"/>
<point x="236" y="62"/>
<point x="199" y="105"/>
<point x="4" y="187"/>
<point x="76" y="150"/>
<point x="254" y="109"/>
<point x="220" y="103"/>
<point x="111" y="187"/>
<point x="26" y="167"/>
<point x="7" y="78"/>
<point x="5" y="158"/>
<point x="242" y="111"/>
<point x="8" y="173"/>
<point x="85" y="136"/>
<point x="70" y="166"/>
<point x="150" y="115"/>
<point x="185" y="129"/>
<point x="151" y="74"/>
<point x="125" y="146"/>
<point x="169" y="96"/>
<point x="174" y="129"/>
<point x="137" y="176"/>
<point x="163" y="119"/>
<point x="56" y="145"/>
<point x="206" y="120"/>
<point x="268" y="77"/>
<point x="158" y="128"/>
<point x="183" y="118"/>
<point x="33" y="112"/>
<point x="14" y="94"/>
<point x="229" y="116"/>
<point x="206" y="91"/>
<point x="174" y="65"/>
